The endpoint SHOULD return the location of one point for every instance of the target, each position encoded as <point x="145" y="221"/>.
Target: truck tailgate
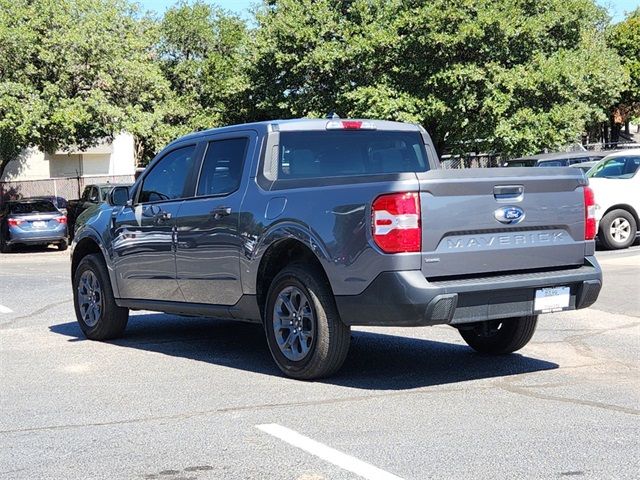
<point x="480" y="221"/>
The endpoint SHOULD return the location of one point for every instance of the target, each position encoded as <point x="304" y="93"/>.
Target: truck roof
<point x="299" y="124"/>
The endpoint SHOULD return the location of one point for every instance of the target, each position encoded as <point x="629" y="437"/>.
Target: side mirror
<point x="119" y="196"/>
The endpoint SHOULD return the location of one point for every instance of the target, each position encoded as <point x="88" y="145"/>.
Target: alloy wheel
<point x="620" y="229"/>
<point x="90" y="299"/>
<point x="294" y="323"/>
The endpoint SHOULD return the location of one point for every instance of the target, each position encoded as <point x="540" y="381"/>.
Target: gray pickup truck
<point x="310" y="227"/>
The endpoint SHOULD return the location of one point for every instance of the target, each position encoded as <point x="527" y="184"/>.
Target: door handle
<point x="508" y="193"/>
<point x="220" y="212"/>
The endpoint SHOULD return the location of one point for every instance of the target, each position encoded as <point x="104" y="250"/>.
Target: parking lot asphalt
<point x="192" y="398"/>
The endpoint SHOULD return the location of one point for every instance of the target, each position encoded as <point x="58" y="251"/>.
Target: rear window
<point x="316" y="154"/>
<point x="40" y="206"/>
<point x="104" y="191"/>
<point x="553" y="163"/>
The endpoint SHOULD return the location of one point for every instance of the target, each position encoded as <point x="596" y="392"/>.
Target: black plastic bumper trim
<point x="406" y="298"/>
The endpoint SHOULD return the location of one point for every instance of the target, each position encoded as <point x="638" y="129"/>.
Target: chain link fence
<point x="471" y="161"/>
<point x="67" y="188"/>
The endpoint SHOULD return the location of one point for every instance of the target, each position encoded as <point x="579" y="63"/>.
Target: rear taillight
<point x="14" y="222"/>
<point x="589" y="214"/>
<point x="395" y="221"/>
<point x="61" y="219"/>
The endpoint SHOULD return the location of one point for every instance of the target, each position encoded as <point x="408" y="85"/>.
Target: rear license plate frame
<point x="552" y="299"/>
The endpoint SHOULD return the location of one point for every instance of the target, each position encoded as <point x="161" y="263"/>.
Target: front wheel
<point x="96" y="311"/>
<point x="498" y="337"/>
<point x="304" y="331"/>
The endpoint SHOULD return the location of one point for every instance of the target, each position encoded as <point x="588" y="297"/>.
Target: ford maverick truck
<point x="310" y="227"/>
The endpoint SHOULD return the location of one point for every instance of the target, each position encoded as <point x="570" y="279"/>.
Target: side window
<point x="166" y="181"/>
<point x="86" y="193"/>
<point x="222" y="167"/>
<point x="94" y="194"/>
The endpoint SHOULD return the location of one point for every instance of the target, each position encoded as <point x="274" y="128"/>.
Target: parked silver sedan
<point x="32" y="221"/>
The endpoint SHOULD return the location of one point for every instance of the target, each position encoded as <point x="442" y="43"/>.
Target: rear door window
<point x="315" y="154"/>
<point x="222" y="167"/>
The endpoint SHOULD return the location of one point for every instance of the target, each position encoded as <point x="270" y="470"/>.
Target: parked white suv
<point x="616" y="184"/>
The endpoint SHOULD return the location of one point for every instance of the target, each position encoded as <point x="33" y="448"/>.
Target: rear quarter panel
<point x="332" y="220"/>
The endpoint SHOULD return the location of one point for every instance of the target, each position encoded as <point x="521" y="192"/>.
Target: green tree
<point x="624" y="37"/>
<point x="513" y="76"/>
<point x="73" y="72"/>
<point x="201" y="52"/>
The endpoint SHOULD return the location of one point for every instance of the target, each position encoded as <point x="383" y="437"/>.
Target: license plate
<point x="554" y="299"/>
<point x="39" y="224"/>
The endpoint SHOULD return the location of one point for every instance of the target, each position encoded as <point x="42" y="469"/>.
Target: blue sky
<point x="238" y="6"/>
<point x="616" y="7"/>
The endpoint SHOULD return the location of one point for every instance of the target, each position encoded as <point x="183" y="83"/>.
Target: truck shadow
<point x="376" y="361"/>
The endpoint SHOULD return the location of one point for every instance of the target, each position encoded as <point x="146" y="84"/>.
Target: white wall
<point x="62" y="165"/>
<point x="93" y="165"/>
<point x="115" y="158"/>
<point x="31" y="164"/>
<point x="122" y="158"/>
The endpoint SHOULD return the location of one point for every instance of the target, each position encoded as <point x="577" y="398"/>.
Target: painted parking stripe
<point x="4" y="309"/>
<point x="342" y="460"/>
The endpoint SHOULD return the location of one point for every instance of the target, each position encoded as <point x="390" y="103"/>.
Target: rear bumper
<point x="37" y="240"/>
<point x="406" y="298"/>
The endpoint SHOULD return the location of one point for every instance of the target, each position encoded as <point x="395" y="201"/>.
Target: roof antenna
<point x="333" y="115"/>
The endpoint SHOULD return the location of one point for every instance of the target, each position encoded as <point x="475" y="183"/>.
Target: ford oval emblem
<point x="509" y="215"/>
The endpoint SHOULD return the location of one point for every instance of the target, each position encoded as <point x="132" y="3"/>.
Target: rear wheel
<point x="96" y="310"/>
<point x="617" y="229"/>
<point x="499" y="337"/>
<point x="62" y="245"/>
<point x="4" y="246"/>
<point x="306" y="337"/>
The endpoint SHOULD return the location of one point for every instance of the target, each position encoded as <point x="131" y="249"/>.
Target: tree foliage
<point x="201" y="54"/>
<point x="624" y="37"/>
<point x="73" y="72"/>
<point x="511" y="75"/>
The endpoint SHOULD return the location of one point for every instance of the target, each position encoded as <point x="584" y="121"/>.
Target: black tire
<point x="605" y="236"/>
<point x="63" y="245"/>
<point x="112" y="319"/>
<point x="330" y="343"/>
<point x="499" y="337"/>
<point x="4" y="246"/>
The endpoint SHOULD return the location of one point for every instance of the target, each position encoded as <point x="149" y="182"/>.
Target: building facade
<point x="114" y="159"/>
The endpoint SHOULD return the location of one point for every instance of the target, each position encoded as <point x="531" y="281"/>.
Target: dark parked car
<point x="310" y="227"/>
<point x="560" y="159"/>
<point x="92" y="195"/>
<point x="32" y="221"/>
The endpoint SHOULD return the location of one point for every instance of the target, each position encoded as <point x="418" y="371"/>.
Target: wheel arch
<point x="87" y="245"/>
<point x="624" y="206"/>
<point x="276" y="257"/>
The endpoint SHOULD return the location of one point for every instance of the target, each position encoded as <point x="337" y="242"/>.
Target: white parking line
<point x="4" y="309"/>
<point x="326" y="453"/>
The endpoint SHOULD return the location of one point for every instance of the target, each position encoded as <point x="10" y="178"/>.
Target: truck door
<point x="209" y="243"/>
<point x="144" y="234"/>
